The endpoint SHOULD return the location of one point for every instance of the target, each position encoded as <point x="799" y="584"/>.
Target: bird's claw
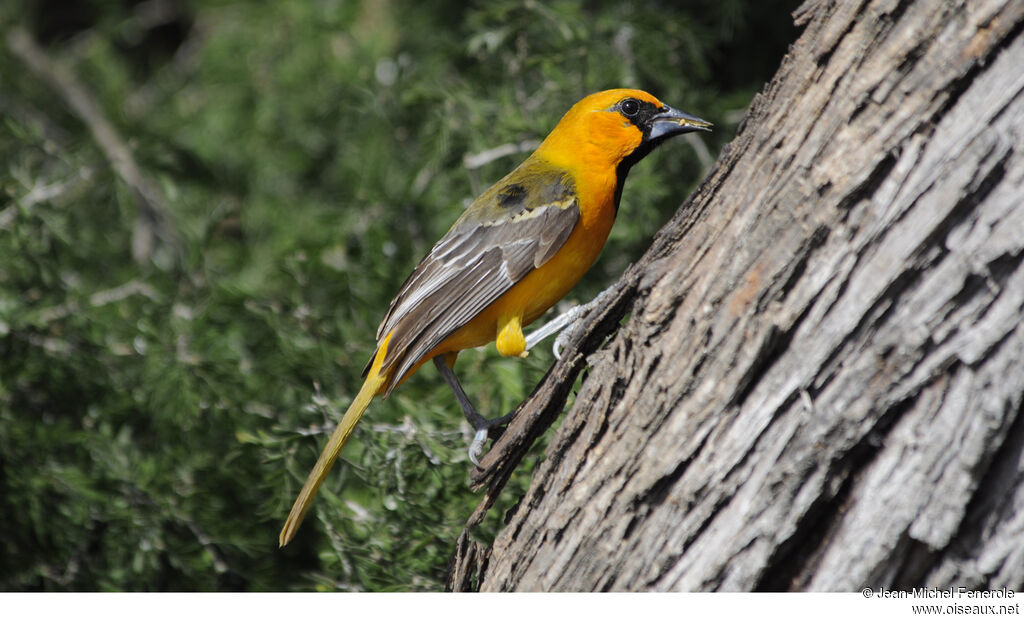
<point x="477" y="446"/>
<point x="561" y="341"/>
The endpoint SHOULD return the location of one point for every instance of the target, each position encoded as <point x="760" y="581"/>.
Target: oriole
<point x="512" y="255"/>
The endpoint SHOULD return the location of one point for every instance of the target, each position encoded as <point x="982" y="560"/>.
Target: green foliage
<point x="158" y="416"/>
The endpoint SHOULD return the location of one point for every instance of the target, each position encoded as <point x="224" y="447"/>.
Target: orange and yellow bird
<point x="518" y="249"/>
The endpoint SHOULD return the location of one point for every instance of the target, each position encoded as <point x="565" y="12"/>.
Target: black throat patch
<point x="642" y="121"/>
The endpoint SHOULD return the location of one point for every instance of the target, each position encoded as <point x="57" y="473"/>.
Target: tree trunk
<point x="820" y="383"/>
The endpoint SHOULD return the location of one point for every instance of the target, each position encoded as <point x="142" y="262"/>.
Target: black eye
<point x="629" y="107"/>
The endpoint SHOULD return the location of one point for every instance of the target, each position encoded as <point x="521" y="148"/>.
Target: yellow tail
<point x="371" y="387"/>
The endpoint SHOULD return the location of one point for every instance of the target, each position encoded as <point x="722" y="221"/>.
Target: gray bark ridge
<point x="821" y="381"/>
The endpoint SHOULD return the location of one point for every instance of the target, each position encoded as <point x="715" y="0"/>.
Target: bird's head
<point x="617" y="128"/>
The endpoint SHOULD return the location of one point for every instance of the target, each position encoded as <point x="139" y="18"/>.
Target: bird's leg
<point x="479" y="423"/>
<point x="565" y="324"/>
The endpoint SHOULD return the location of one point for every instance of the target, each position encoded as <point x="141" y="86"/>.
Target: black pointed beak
<point x="672" y="122"/>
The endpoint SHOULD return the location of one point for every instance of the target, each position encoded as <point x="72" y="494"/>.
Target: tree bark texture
<point x="819" y="385"/>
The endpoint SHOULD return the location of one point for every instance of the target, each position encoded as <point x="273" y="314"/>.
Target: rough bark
<point x="820" y="382"/>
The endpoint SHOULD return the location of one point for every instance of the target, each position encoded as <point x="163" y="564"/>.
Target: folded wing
<point x="513" y="228"/>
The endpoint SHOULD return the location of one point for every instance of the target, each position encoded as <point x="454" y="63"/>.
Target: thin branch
<point x="99" y="298"/>
<point x="478" y="160"/>
<point x="153" y="221"/>
<point x="701" y="149"/>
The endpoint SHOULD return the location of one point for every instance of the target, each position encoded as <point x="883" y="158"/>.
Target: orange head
<point x="614" y="128"/>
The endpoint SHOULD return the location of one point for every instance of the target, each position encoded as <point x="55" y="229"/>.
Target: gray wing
<point x="513" y="228"/>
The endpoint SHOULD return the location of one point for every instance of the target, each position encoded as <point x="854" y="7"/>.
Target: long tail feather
<point x="371" y="387"/>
